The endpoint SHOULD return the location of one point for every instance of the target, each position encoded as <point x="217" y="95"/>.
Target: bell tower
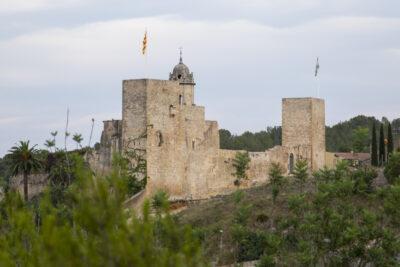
<point x="182" y="74"/>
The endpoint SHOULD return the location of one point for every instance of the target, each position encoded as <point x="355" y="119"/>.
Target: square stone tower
<point x="303" y="130"/>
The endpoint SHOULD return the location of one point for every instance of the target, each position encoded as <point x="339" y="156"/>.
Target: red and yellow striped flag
<point x="144" y="44"/>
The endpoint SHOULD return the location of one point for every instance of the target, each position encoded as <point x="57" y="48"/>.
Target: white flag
<point x="316" y="68"/>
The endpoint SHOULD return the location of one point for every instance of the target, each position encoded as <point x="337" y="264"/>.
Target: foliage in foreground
<point x="91" y="227"/>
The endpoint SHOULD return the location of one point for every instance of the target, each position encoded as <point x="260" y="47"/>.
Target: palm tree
<point x="78" y="139"/>
<point x="49" y="144"/>
<point x="24" y="160"/>
<point x="54" y="134"/>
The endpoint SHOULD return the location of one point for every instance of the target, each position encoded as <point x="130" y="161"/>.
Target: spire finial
<point x="180" y="53"/>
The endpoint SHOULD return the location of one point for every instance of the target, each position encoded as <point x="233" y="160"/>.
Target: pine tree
<point x="381" y="146"/>
<point x="390" y="146"/>
<point x="374" y="147"/>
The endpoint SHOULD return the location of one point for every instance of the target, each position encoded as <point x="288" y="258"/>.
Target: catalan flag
<point x="144" y="43"/>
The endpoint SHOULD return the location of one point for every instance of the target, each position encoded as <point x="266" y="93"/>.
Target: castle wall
<point x="182" y="148"/>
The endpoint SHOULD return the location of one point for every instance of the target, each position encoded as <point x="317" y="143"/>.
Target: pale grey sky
<point x="245" y="54"/>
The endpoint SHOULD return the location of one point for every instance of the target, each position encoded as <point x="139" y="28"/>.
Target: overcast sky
<point x="245" y="54"/>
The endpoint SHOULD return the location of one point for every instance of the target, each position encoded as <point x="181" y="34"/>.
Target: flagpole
<point x="146" y="57"/>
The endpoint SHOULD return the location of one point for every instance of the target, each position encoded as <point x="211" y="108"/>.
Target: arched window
<point x="180" y="99"/>
<point x="291" y="163"/>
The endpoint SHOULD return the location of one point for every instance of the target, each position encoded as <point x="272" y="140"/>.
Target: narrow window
<point x="193" y="144"/>
<point x="180" y="100"/>
<point x="160" y="138"/>
<point x="291" y="163"/>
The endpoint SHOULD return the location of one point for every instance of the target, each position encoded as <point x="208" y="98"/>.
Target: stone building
<point x="161" y="122"/>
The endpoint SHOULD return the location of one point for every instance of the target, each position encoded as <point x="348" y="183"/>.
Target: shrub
<point x="241" y="165"/>
<point x="392" y="168"/>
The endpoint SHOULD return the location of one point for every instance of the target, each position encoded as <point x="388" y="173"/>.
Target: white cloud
<point x="47" y="56"/>
<point x="13" y="6"/>
<point x="4" y="121"/>
<point x="249" y="65"/>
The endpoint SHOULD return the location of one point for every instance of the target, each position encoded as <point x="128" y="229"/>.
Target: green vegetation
<point x="259" y="141"/>
<point x="392" y="168"/>
<point x="390" y="145"/>
<point x="132" y="168"/>
<point x="361" y="139"/>
<point x="338" y="137"/>
<point x="374" y="147"/>
<point x="90" y="226"/>
<point x="300" y="173"/>
<point x="340" y="220"/>
<point x="276" y="180"/>
<point x="241" y="165"/>
<point x="78" y="140"/>
<point x="24" y="160"/>
<point x="381" y="147"/>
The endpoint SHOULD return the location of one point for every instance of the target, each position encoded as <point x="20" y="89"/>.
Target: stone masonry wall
<point x="303" y="129"/>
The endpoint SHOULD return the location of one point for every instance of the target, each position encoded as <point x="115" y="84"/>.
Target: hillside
<point x="337" y="221"/>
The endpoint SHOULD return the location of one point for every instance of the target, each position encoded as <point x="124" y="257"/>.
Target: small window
<point x="193" y="144"/>
<point x="160" y="138"/>
<point x="291" y="163"/>
<point x="180" y="100"/>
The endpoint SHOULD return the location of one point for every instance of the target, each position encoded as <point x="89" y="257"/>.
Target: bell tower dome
<point x="181" y="73"/>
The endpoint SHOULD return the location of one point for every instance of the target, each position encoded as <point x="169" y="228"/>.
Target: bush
<point x="392" y="168"/>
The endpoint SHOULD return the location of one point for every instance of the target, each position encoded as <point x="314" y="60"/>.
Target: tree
<point x="54" y="134"/>
<point x="360" y="139"/>
<point x="374" y="146"/>
<point x="241" y="165"/>
<point x="276" y="179"/>
<point x="49" y="144"/>
<point x="392" y="168"/>
<point x="78" y="139"/>
<point x="390" y="145"/>
<point x="301" y="172"/>
<point x="381" y="151"/>
<point x="24" y="160"/>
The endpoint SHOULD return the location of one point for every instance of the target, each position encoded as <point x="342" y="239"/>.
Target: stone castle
<point x="161" y="122"/>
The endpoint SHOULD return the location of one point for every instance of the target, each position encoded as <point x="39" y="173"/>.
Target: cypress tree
<point x="390" y="146"/>
<point x="381" y="146"/>
<point x="374" y="147"/>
